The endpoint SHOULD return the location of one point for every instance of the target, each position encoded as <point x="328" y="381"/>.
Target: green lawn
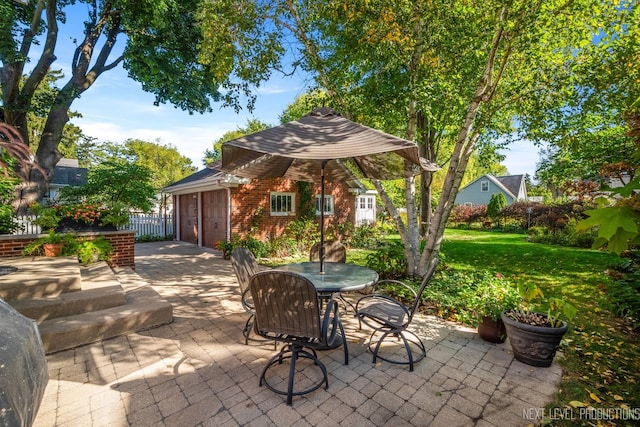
<point x="601" y="363"/>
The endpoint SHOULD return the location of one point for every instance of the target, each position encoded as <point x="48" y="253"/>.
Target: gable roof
<point x="212" y="177"/>
<point x="67" y="173"/>
<point x="510" y="184"/>
<point x="513" y="183"/>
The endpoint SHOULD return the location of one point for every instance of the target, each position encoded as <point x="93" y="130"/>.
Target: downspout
<point x="199" y="210"/>
<point x="228" y="214"/>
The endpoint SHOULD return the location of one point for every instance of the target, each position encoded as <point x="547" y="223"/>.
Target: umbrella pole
<point x="322" y="218"/>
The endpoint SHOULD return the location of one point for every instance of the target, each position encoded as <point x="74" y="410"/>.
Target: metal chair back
<point x="334" y="251"/>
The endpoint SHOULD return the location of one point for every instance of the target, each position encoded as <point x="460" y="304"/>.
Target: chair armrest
<point x="247" y="302"/>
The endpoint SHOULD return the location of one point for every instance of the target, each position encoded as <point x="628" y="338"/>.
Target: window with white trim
<point x="283" y="204"/>
<point x="328" y="205"/>
<point x="484" y="186"/>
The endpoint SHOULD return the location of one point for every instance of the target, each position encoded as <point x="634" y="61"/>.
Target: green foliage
<point x="215" y="153"/>
<point x="490" y="294"/>
<point x="365" y="236"/>
<point x="305" y="232"/>
<point x="624" y="290"/>
<point x="388" y="260"/>
<point x="556" y="307"/>
<point x="8" y="222"/>
<point x="98" y="249"/>
<point x="47" y="217"/>
<point x="51" y="216"/>
<point x="616" y="225"/>
<point x="258" y="248"/>
<point x="188" y="53"/>
<point x="306" y="201"/>
<point x="496" y="204"/>
<point x="569" y="235"/>
<point x="163" y="161"/>
<point x="447" y="292"/>
<point x="226" y="247"/>
<point x="70" y="245"/>
<point x="115" y="183"/>
<point x="467" y="297"/>
<point x="152" y="238"/>
<point x="282" y="246"/>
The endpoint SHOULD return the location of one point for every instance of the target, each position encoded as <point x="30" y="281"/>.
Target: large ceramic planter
<point x="52" y="249"/>
<point x="492" y="330"/>
<point x="533" y="345"/>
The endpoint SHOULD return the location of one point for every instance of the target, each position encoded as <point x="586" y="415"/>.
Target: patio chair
<point x="245" y="265"/>
<point x="334" y="251"/>
<point x="287" y="310"/>
<point x="392" y="318"/>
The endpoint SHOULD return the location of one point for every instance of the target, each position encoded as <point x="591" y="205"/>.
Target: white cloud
<point x="190" y="141"/>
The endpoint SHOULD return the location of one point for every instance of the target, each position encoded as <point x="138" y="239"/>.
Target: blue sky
<point x="116" y="108"/>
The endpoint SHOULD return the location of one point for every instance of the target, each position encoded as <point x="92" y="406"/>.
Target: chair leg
<point x="295" y="352"/>
<point x="407" y="345"/>
<point x="344" y="344"/>
<point x="247" y="329"/>
<point x="292" y="372"/>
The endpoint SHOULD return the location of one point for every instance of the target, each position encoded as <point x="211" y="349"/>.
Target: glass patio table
<point x="338" y="276"/>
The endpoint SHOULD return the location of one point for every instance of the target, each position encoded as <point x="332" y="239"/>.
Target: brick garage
<point x="244" y="206"/>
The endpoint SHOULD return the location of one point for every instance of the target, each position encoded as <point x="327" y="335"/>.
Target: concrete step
<point x="39" y="277"/>
<point x="144" y="309"/>
<point x="71" y="303"/>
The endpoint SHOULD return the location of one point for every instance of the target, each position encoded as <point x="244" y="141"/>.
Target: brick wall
<point x="250" y="205"/>
<point x="122" y="241"/>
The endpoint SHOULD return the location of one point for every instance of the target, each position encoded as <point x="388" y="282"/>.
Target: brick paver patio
<point x="198" y="372"/>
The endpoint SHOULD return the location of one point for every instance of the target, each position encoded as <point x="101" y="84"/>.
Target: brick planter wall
<point x="122" y="241"/>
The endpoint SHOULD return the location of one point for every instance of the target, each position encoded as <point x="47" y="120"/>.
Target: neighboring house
<point x="479" y="191"/>
<point x="66" y="173"/>
<point x="210" y="205"/>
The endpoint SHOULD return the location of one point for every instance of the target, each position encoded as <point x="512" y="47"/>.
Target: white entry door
<point x="365" y="209"/>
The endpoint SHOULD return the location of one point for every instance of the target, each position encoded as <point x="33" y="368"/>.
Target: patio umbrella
<point x="322" y="145"/>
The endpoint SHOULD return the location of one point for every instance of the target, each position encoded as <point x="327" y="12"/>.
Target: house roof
<point x="212" y="176"/>
<point x="511" y="183"/>
<point x="508" y="188"/>
<point x="67" y="173"/>
<point x="196" y="176"/>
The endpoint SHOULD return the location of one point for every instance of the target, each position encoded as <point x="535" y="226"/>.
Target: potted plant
<point x="534" y="336"/>
<point x="226" y="248"/>
<point x="52" y="245"/>
<point x="487" y="299"/>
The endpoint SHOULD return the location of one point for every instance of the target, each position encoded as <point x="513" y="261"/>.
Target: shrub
<point x="388" y="260"/>
<point x="366" y="236"/>
<point x="624" y="290"/>
<point x="468" y="214"/>
<point x="305" y="232"/>
<point x="90" y="251"/>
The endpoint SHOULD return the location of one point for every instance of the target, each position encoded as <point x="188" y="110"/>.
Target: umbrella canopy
<point x="298" y="149"/>
<point x="322" y="145"/>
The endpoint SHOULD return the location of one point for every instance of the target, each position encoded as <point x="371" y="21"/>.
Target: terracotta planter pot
<point x="492" y="330"/>
<point x="533" y="345"/>
<point x="52" y="249"/>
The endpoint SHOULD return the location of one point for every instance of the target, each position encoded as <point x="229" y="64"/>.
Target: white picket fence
<point x="143" y="224"/>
